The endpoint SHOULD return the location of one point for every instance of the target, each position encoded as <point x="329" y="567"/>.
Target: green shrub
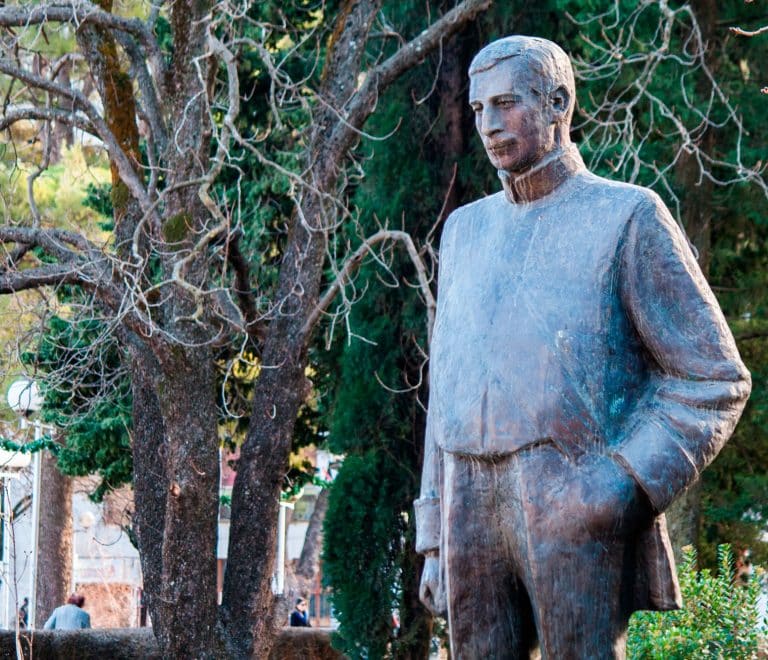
<point x="719" y="618"/>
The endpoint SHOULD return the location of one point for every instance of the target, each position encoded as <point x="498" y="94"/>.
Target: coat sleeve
<point x="51" y="623"/>
<point x="427" y="507"/>
<point x="698" y="385"/>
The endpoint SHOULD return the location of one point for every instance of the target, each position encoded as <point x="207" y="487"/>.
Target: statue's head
<point x="522" y="91"/>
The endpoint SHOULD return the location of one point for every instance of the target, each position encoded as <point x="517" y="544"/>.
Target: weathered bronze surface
<point x="582" y="375"/>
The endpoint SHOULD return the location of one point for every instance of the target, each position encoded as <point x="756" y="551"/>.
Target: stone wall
<point x="139" y="644"/>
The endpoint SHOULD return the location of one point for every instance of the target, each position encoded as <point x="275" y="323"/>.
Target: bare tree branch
<point x="352" y="263"/>
<point x="630" y="112"/>
<point x="127" y="172"/>
<point x="34" y="278"/>
<point x="53" y="241"/>
<point x="378" y="79"/>
<point x="243" y="288"/>
<point x="21" y="113"/>
<point x="79" y="12"/>
<point x="749" y="33"/>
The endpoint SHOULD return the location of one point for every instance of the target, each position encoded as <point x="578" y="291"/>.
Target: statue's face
<point x="515" y="123"/>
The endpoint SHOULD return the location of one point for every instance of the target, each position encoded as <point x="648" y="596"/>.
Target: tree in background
<point x="174" y="282"/>
<point x="374" y="393"/>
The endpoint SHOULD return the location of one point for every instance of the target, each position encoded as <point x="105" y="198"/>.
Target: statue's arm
<point x="427" y="507"/>
<point x="700" y="385"/>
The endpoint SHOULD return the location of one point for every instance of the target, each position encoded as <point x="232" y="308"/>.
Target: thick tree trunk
<point x="248" y="601"/>
<point x="186" y="624"/>
<point x="249" y="606"/>
<point x="54" y="565"/>
<point x="150" y="480"/>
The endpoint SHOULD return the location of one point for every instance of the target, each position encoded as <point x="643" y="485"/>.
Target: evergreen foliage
<point x="365" y="531"/>
<point x="369" y="558"/>
<point x="719" y="619"/>
<point x="97" y="419"/>
<point x="375" y="381"/>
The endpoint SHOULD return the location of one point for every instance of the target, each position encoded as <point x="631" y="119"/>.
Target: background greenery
<point x="370" y="377"/>
<point x="720" y="618"/>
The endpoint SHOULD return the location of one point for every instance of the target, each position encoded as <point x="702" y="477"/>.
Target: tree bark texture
<point x="150" y="480"/>
<point x="175" y="441"/>
<point x="187" y="618"/>
<point x="54" y="563"/>
<point x="247" y="610"/>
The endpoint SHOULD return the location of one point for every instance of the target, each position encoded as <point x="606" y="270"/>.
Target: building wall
<point x="106" y="565"/>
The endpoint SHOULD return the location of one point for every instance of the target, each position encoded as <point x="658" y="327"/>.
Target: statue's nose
<point x="491" y="122"/>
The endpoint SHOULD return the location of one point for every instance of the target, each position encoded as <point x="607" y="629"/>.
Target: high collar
<point x="544" y="177"/>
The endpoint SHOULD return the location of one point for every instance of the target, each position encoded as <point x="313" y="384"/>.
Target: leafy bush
<point x="719" y="618"/>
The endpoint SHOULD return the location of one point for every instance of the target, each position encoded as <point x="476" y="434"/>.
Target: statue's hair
<point x="545" y="58"/>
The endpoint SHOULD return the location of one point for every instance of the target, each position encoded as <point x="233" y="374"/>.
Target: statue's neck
<point x="544" y="177"/>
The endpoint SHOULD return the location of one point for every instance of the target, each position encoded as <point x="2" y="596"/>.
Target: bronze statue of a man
<point x="582" y="375"/>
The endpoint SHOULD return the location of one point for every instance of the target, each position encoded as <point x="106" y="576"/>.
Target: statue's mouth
<point x="499" y="148"/>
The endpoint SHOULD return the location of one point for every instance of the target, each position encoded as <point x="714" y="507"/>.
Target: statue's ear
<point x="560" y="102"/>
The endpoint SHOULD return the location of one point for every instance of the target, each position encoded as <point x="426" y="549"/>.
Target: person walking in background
<point x="299" y="616"/>
<point x="24" y="613"/>
<point x="70" y="616"/>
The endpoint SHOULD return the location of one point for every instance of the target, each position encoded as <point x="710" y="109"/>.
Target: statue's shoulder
<point x="480" y="208"/>
<point x="622" y="195"/>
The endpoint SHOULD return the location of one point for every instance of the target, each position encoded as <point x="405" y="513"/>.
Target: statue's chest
<point x="559" y="265"/>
